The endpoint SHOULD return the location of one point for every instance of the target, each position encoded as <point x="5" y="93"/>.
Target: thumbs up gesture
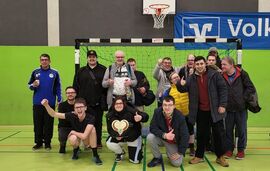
<point x="170" y="135"/>
<point x="182" y="81"/>
<point x="137" y="117"/>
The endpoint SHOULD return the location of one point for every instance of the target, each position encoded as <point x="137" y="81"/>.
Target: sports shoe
<point x="240" y="155"/>
<point x="48" y="147"/>
<point x="119" y="157"/>
<point x="222" y="161"/>
<point x="37" y="147"/>
<point x="228" y="154"/>
<point x="62" y="149"/>
<point x="75" y="155"/>
<point x="154" y="162"/>
<point x="196" y="160"/>
<point x="191" y="151"/>
<point x="97" y="160"/>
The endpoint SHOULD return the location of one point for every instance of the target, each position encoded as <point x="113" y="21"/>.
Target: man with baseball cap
<point x="88" y="84"/>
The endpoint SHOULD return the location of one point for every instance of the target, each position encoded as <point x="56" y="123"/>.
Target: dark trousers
<point x="236" y="120"/>
<point x="43" y="125"/>
<point x="97" y="112"/>
<point x="190" y="127"/>
<point x="204" y="122"/>
<point x="63" y="135"/>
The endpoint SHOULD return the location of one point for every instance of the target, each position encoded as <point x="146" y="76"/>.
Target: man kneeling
<point x="82" y="127"/>
<point x="168" y="128"/>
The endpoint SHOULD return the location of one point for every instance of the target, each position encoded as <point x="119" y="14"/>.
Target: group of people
<point x="209" y="93"/>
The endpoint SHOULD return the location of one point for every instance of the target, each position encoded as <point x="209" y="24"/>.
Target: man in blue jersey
<point x="45" y="82"/>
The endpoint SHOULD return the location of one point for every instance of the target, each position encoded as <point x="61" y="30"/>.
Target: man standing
<point x="207" y="102"/>
<point x="161" y="73"/>
<point x="88" y="83"/>
<point x="45" y="82"/>
<point x="168" y="128"/>
<point x="82" y="127"/>
<point x="188" y="68"/>
<point x="142" y="86"/>
<point x="239" y="86"/>
<point x="119" y="78"/>
<point x="64" y="126"/>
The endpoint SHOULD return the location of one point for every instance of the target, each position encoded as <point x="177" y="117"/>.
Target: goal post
<point x="191" y="43"/>
<point x="146" y="52"/>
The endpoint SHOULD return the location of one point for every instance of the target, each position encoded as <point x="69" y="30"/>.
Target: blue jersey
<point x="49" y="86"/>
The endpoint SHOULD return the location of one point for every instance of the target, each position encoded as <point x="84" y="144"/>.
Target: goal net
<point x="146" y="52"/>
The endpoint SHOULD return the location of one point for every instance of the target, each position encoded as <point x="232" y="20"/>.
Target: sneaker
<point x="62" y="149"/>
<point x="97" y="160"/>
<point x="228" y="154"/>
<point x="154" y="162"/>
<point x="119" y="157"/>
<point x="37" y="147"/>
<point x="192" y="151"/>
<point x="75" y="155"/>
<point x="48" y="147"/>
<point x="196" y="160"/>
<point x="240" y="155"/>
<point x="222" y="161"/>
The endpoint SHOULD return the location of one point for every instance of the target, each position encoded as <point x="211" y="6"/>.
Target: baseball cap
<point x="92" y="53"/>
<point x="213" y="49"/>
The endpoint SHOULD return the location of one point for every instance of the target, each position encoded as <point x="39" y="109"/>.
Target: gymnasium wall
<point x="24" y="22"/>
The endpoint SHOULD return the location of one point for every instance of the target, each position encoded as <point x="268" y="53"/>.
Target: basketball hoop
<point x="159" y="16"/>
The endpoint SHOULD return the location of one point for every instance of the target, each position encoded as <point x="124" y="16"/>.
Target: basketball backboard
<point x="150" y="6"/>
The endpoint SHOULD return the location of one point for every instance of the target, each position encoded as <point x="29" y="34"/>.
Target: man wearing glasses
<point x="119" y="78"/>
<point x="45" y="82"/>
<point x="88" y="83"/>
<point x="168" y="128"/>
<point x="82" y="127"/>
<point x="161" y="73"/>
<point x="64" y="126"/>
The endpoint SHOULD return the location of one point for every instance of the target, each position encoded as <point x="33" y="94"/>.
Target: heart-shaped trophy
<point x="120" y="126"/>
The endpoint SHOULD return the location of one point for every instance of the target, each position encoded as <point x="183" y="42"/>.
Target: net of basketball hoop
<point x="159" y="15"/>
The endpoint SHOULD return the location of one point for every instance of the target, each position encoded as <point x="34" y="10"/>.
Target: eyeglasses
<point x="119" y="56"/>
<point x="73" y="92"/>
<point x="79" y="107"/>
<point x="120" y="103"/>
<point x="44" y="59"/>
<point x="167" y="105"/>
<point x="190" y="60"/>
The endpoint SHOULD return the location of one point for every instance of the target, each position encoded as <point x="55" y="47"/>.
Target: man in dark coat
<point x="207" y="108"/>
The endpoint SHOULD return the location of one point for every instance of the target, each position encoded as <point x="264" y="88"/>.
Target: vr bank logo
<point x="201" y="27"/>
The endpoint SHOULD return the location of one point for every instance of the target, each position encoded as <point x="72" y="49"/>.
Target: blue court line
<point x="144" y="154"/>
<point x="211" y="166"/>
<point x="10" y="135"/>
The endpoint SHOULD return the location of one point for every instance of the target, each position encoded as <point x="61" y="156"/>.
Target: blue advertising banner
<point x="252" y="28"/>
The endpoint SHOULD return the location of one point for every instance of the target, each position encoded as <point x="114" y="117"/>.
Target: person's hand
<point x="191" y="70"/>
<point x="36" y="83"/>
<point x="170" y="135"/>
<point x="44" y="102"/>
<point x="221" y="110"/>
<point x="119" y="138"/>
<point x="72" y="132"/>
<point x="175" y="156"/>
<point x="142" y="90"/>
<point x="137" y="117"/>
<point x="127" y="82"/>
<point x="110" y="82"/>
<point x="182" y="81"/>
<point x="160" y="62"/>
